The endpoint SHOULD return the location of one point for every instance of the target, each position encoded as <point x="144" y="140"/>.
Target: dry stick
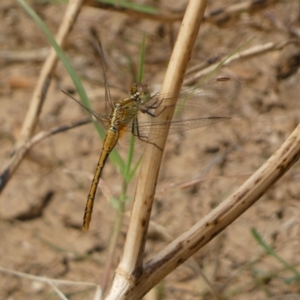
<point x="39" y="96"/>
<point x="130" y="268"/>
<point x="234" y="9"/>
<point x="58" y="292"/>
<point x="46" y="279"/>
<point x="50" y="281"/>
<point x="252" y="52"/>
<point x="162" y="17"/>
<point x="192" y="263"/>
<point x="62" y="128"/>
<point x="24" y="55"/>
<point x="223" y="215"/>
<point x="220" y="13"/>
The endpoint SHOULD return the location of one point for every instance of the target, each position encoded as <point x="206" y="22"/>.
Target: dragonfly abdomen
<point x="109" y="143"/>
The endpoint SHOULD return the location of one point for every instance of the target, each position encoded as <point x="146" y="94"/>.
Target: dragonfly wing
<point x="176" y="126"/>
<point x="133" y="128"/>
<point x="189" y="110"/>
<point x="192" y="109"/>
<point x="195" y="102"/>
<point x="102" y="120"/>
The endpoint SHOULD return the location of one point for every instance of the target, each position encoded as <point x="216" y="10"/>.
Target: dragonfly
<point x="137" y="113"/>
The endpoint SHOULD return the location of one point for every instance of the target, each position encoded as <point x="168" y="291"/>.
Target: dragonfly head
<point x="140" y="92"/>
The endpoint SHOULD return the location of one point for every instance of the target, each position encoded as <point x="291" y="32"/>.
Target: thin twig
<point x="246" y="54"/>
<point x="157" y="16"/>
<point x="58" y="292"/>
<point x="39" y="96"/>
<point x="221" y="14"/>
<point x="46" y="279"/>
<point x="223" y="215"/>
<point x="214" y="16"/>
<point x="24" y="55"/>
<point x="62" y="128"/>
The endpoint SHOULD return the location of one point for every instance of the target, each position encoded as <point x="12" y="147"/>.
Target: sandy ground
<point x="200" y="169"/>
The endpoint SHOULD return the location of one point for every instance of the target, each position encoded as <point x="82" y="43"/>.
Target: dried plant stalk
<point x="229" y="210"/>
<point x="224" y="214"/>
<point x="240" y="56"/>
<point x="39" y="95"/>
<point x="130" y="268"/>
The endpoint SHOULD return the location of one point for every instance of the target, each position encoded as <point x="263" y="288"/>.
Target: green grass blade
<point x="270" y="251"/>
<point x="130" y="173"/>
<point x="114" y="156"/>
<point x="134" y="169"/>
<point x="142" y="60"/>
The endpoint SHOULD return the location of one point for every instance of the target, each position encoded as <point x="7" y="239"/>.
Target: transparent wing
<point x="103" y="120"/>
<point x="192" y="110"/>
<point x="108" y="99"/>
<point x="194" y="102"/>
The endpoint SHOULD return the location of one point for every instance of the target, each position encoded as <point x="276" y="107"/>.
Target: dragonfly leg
<point x="135" y="131"/>
<point x="154" y="106"/>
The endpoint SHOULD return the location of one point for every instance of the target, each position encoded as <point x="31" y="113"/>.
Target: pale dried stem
<point x="62" y="128"/>
<point x="234" y="9"/>
<point x="39" y="95"/>
<point x="246" y="54"/>
<point x="58" y="292"/>
<point x="25" y="55"/>
<point x="46" y="279"/>
<point x="171" y="17"/>
<point x="161" y="17"/>
<point x="191" y="263"/>
<point x="53" y="282"/>
<point x="229" y="210"/>
<point x="131" y="266"/>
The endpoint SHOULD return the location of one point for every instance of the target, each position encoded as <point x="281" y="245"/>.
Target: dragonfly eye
<point x="133" y="89"/>
<point x="140" y="91"/>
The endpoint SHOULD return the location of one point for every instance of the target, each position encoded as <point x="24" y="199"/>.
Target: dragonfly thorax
<point x="123" y="113"/>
